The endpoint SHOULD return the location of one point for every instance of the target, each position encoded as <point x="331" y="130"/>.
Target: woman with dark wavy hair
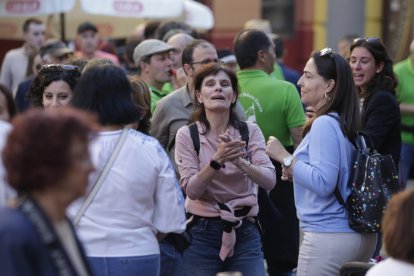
<point x="47" y="162"/>
<point x="54" y="85"/>
<point x="376" y="83"/>
<point x="220" y="180"/>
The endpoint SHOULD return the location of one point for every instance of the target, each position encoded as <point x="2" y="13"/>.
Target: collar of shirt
<point x="252" y="73"/>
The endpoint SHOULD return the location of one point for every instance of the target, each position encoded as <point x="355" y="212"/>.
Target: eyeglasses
<point x="367" y="39"/>
<point x="326" y="52"/>
<point x="207" y="61"/>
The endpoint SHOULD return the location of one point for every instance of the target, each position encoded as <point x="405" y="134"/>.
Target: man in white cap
<point x="153" y="58"/>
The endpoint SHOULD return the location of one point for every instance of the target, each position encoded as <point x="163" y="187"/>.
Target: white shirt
<point x="14" y="67"/>
<point x="139" y="197"/>
<point x="391" y="267"/>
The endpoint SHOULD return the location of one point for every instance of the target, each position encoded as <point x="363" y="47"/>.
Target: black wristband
<point x="215" y="165"/>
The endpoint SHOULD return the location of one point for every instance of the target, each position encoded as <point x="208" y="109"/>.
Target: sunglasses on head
<point x="326" y="52"/>
<point x="66" y="67"/>
<point x="367" y="39"/>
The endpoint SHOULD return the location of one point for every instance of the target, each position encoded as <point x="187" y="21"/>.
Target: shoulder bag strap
<point x="101" y="177"/>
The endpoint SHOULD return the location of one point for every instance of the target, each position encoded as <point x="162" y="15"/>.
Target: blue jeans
<point x="202" y="257"/>
<point x="406" y="162"/>
<point x="125" y="266"/>
<point x="170" y="258"/>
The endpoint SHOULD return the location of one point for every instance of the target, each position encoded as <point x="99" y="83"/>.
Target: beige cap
<point x="150" y="47"/>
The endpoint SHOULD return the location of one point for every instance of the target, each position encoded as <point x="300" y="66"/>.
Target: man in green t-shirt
<point x="404" y="71"/>
<point x="276" y="107"/>
<point x="153" y="58"/>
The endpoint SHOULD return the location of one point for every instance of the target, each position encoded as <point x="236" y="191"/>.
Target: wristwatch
<point x="287" y="161"/>
<point x="215" y="165"/>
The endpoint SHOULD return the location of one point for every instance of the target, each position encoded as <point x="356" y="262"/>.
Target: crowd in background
<point x="177" y="158"/>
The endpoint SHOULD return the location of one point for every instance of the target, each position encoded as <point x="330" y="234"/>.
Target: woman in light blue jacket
<point x="322" y="163"/>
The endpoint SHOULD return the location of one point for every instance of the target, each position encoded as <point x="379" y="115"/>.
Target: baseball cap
<point x="87" y="26"/>
<point x="55" y="48"/>
<point x="150" y="47"/>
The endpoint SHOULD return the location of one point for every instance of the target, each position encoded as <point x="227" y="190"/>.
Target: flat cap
<point x="150" y="47"/>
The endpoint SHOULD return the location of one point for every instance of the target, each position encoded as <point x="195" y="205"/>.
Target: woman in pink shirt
<point x="220" y="180"/>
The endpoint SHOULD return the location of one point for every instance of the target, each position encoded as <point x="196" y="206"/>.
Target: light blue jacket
<point x="323" y="161"/>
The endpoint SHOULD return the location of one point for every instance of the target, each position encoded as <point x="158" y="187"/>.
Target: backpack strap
<point x="195" y="137"/>
<point x="244" y="133"/>
<point x="336" y="192"/>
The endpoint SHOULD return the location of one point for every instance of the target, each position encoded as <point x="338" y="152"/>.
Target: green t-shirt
<point x="273" y="104"/>
<point x="156" y="95"/>
<point x="168" y="87"/>
<point x="277" y="72"/>
<point x="404" y="71"/>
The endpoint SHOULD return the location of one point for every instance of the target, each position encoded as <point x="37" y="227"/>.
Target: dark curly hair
<point x="37" y="151"/>
<point x="47" y="75"/>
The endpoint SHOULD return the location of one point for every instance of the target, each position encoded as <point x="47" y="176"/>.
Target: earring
<point x="327" y="97"/>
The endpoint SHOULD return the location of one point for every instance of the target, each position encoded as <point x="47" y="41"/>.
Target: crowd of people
<point x="189" y="160"/>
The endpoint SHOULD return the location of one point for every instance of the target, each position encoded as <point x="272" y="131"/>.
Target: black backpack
<point x="374" y="179"/>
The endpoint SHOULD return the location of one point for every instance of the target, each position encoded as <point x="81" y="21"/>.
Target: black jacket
<point x="381" y="120"/>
